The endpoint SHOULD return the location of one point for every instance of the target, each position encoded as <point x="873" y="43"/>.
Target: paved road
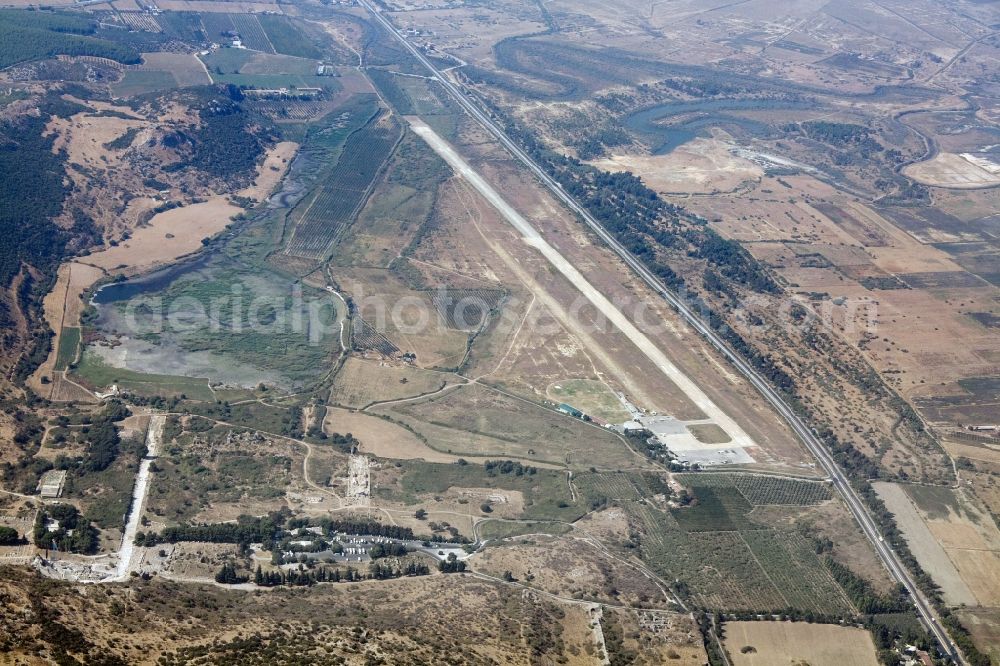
<point x="854" y="502"/>
<point x="127" y="552"/>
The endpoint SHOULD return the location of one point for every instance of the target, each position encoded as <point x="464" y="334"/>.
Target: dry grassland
<point x="62" y="307"/>
<point x="851" y="548"/>
<point x="984" y="625"/>
<point x="929" y="553"/>
<point x="361" y="382"/>
<point x="457" y="506"/>
<point x="570" y="567"/>
<point x="271" y="170"/>
<point x="139" y="621"/>
<point x="382" y="438"/>
<point x="479" y="421"/>
<point x="798" y="643"/>
<point x="968" y="534"/>
<point x="471" y="35"/>
<point x="593" y="398"/>
<point x="852" y="251"/>
<point x="406" y="316"/>
<point x="186" y="68"/>
<point x="577" y="630"/>
<point x="607" y="354"/>
<point x="168" y="236"/>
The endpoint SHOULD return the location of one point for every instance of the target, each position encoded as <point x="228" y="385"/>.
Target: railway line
<point x="864" y="519"/>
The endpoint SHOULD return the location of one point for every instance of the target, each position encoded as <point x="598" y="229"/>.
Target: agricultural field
<point x="142" y="82"/>
<point x="322" y="217"/>
<point x="761" y="490"/>
<point x="764" y="643"/>
<point x="69" y="345"/>
<point x="220" y="28"/>
<point x="186" y="69"/>
<point x="402" y="208"/>
<point x="953" y="537"/>
<point x="631" y="486"/>
<point x="253" y="69"/>
<point x="731" y="559"/>
<point x="984" y="624"/>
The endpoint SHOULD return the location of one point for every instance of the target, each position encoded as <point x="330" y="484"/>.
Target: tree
<point x="451" y="565"/>
<point x="227" y="575"/>
<point x="420" y="514"/>
<point x="9" y="536"/>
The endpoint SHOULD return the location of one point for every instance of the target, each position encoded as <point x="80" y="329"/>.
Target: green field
<point x="495" y="530"/>
<point x="251" y="69"/>
<point x="95" y="372"/>
<point x="142" y="82"/>
<point x="259" y="341"/>
<point x="69" y="343"/>
<point x="546" y="494"/>
<point x="938" y="503"/>
<point x="479" y="421"/>
<point x="325" y="215"/>
<point x="227" y="61"/>
<point x="288" y="38"/>
<point x="591" y="397"/>
<point x="241" y="326"/>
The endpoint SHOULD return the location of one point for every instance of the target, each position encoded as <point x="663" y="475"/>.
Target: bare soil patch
<point x="700" y="166"/>
<point x="954" y="171"/>
<point x="271" y="170"/>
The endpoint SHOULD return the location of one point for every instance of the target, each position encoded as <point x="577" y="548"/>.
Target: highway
<point x="808" y="438"/>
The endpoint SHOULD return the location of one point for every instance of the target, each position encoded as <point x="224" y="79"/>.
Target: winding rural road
<point x="808" y="438"/>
